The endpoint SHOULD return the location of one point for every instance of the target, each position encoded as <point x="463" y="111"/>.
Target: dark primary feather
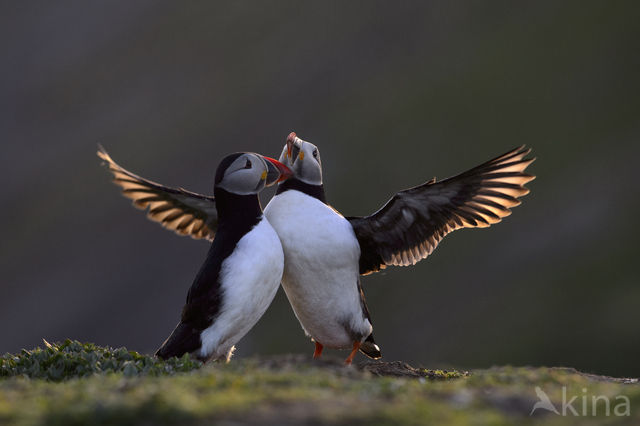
<point x="410" y="225"/>
<point x="182" y="211"/>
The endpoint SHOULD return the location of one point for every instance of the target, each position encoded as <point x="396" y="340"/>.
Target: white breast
<point x="249" y="277"/>
<point x="320" y="268"/>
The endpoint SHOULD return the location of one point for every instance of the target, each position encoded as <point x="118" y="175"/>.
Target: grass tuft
<point x="72" y="359"/>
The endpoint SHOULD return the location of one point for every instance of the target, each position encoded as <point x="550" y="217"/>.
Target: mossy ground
<point x="74" y="384"/>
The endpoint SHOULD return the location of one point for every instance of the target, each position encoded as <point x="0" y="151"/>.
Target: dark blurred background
<point x="393" y="93"/>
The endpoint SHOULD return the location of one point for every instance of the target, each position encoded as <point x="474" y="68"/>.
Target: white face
<point x="304" y="161"/>
<point x="245" y="175"/>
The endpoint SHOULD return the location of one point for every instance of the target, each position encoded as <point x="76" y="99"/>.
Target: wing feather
<point x="179" y="210"/>
<point x="412" y="223"/>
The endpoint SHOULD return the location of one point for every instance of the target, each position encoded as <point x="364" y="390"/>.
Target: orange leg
<point x="318" y="351"/>
<point x="349" y="360"/>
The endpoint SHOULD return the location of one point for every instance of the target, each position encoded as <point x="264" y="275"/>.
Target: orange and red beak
<point x="277" y="172"/>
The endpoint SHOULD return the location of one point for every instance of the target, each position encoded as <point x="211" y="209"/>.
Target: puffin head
<point x="303" y="158"/>
<point x="246" y="173"/>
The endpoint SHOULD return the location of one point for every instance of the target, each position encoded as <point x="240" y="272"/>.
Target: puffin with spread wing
<point x="325" y="252"/>
<point x="243" y="268"/>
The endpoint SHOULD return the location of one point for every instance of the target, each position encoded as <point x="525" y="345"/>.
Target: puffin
<point x="243" y="267"/>
<point x="326" y="252"/>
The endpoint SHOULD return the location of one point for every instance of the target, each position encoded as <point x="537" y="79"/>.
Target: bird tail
<point x="184" y="339"/>
<point x="370" y="349"/>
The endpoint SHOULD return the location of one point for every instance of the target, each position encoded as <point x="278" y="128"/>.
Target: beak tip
<point x="290" y="140"/>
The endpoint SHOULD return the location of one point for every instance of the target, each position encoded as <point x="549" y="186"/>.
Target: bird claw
<point x="318" y="351"/>
<point x="356" y="347"/>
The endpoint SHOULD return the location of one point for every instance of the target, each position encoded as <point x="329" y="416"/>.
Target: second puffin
<point x="242" y="271"/>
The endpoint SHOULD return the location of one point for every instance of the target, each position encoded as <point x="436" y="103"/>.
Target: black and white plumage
<point x="325" y="252"/>
<point x="321" y="276"/>
<point x="243" y="268"/>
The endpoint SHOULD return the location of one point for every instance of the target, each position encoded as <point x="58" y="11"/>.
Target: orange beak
<point x="277" y="172"/>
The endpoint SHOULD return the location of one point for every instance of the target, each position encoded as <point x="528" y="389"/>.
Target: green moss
<point x="443" y="374"/>
<point x="72" y="359"/>
<point x="281" y="390"/>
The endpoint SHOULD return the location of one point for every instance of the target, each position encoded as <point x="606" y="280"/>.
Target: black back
<point x="315" y="191"/>
<point x="237" y="215"/>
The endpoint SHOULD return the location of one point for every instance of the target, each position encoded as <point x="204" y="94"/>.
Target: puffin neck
<point x="240" y="211"/>
<point x="237" y="215"/>
<point x="315" y="191"/>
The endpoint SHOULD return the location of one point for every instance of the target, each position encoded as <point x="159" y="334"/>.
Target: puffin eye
<point x="248" y="164"/>
<point x="315" y="153"/>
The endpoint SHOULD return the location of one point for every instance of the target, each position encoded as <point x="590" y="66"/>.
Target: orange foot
<point x="349" y="360"/>
<point x="318" y="351"/>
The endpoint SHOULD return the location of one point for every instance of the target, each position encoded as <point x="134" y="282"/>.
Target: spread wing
<point x="182" y="211"/>
<point x="412" y="223"/>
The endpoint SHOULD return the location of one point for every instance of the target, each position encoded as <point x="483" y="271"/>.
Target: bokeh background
<point x="393" y="93"/>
